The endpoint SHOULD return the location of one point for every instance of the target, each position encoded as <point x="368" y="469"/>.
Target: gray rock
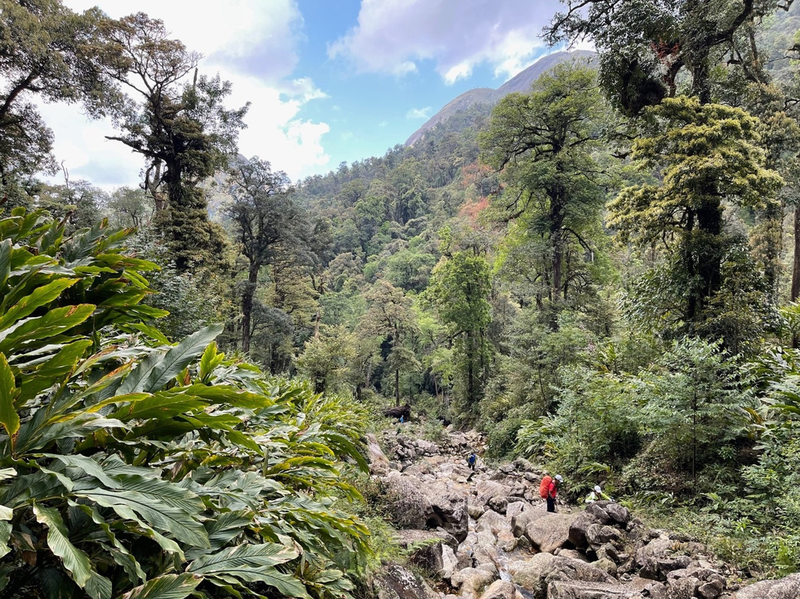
<point x="520" y="522"/>
<point x="378" y="462"/>
<point x="619" y="514"/>
<point x="498" y="503"/>
<point x="606" y="565"/>
<point x="515" y="508"/>
<point x="449" y="564"/>
<point x="430" y="506"/>
<point x="487" y="489"/>
<point x="537" y="572"/>
<point x="590" y="590"/>
<point x="396" y="582"/>
<point x="472" y="581"/>
<point x="599" y="512"/>
<point x="549" y="532"/>
<point x="577" y="530"/>
<point x="649" y="588"/>
<point x="682" y="588"/>
<point x="598" y="534"/>
<point x="500" y="589"/>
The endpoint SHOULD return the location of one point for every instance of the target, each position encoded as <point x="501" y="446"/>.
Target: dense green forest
<point x="601" y="275"/>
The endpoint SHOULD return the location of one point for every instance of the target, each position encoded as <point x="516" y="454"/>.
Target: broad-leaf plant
<point x="134" y="468"/>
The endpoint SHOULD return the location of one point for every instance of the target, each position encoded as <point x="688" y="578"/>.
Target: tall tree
<point x="459" y="288"/>
<point x="390" y="318"/>
<point x="179" y="123"/>
<point x="707" y="155"/>
<point x="644" y="45"/>
<point x="51" y="53"/>
<point x="267" y="222"/>
<point x="543" y="143"/>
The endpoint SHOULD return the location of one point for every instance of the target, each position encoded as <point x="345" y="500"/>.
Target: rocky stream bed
<point x="487" y="535"/>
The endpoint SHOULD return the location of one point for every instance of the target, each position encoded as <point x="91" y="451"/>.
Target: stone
<point x="709" y="590"/>
<point x="378" y="462"/>
<point x="599" y="534"/>
<point x="577" y="530"/>
<point x="590" y="590"/>
<point x="498" y="503"/>
<point x="785" y="588"/>
<point x="599" y="512"/>
<point x="500" y="589"/>
<point x="649" y="588"/>
<point x="487" y="489"/>
<point x="619" y="514"/>
<point x="682" y="588"/>
<point x="426" y="548"/>
<point x="606" y="565"/>
<point x="515" y="508"/>
<point x="472" y="581"/>
<point x="475" y="509"/>
<point x="397" y="582"/>
<point x="549" y="532"/>
<point x="571" y="553"/>
<point x="520" y="522"/>
<point x="449" y="563"/>
<point x="537" y="572"/>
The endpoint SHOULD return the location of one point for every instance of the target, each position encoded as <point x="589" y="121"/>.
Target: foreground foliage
<point x="136" y="468"/>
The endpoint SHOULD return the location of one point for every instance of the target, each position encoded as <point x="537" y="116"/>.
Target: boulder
<point x="515" y="508"/>
<point x="449" y="564"/>
<point x="427" y="548"/>
<point x="619" y="514"/>
<point x="785" y="588"/>
<point x="537" y="572"/>
<point x="498" y="503"/>
<point x="649" y="588"/>
<point x="599" y="512"/>
<point x="500" y="589"/>
<point x="590" y="590"/>
<point x="520" y="522"/>
<point x="397" y="582"/>
<point x="487" y="489"/>
<point x="682" y="588"/>
<point x="411" y="505"/>
<point x="599" y="534"/>
<point x="495" y="523"/>
<point x="549" y="532"/>
<point x="472" y="581"/>
<point x="577" y="530"/>
<point x="378" y="462"/>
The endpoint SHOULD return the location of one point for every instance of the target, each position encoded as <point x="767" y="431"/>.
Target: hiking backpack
<point x="544" y="487"/>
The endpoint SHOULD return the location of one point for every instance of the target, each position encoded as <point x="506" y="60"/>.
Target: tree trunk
<point x="247" y="305"/>
<point x="397" y="386"/>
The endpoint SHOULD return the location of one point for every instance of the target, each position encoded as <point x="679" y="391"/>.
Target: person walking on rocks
<point x="552" y="492"/>
<point x="472" y="460"/>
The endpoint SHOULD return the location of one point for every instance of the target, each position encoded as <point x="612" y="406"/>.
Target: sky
<point x="329" y="81"/>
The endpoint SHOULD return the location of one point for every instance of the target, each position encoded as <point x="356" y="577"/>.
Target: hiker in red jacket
<point x="552" y="492"/>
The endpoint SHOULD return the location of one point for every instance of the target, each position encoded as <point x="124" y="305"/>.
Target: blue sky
<point x="328" y="80"/>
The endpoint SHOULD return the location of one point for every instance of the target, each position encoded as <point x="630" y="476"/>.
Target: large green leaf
<point x="41" y="296"/>
<point x="159" y="514"/>
<point x="168" y="586"/>
<point x="251" y="563"/>
<point x="5" y="535"/>
<point x="51" y="324"/>
<point x="157" y="370"/>
<point x="9" y="417"/>
<point x="75" y="560"/>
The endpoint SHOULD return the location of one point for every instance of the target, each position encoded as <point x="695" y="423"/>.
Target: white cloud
<point x="419" y="113"/>
<point x="392" y="35"/>
<point x="252" y="43"/>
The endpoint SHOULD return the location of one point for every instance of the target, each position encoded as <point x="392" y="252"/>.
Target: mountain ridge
<point x="521" y="82"/>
